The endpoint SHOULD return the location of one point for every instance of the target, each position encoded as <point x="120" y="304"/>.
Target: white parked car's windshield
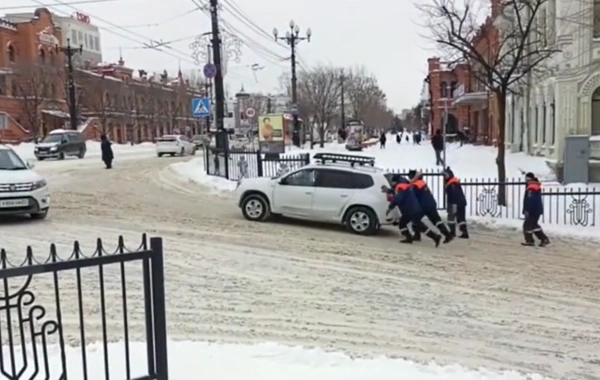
<point x="54" y="138"/>
<point x="9" y="160"/>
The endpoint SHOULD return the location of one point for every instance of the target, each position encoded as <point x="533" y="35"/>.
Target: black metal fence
<point x="47" y="327"/>
<point x="562" y="205"/>
<point x="234" y="164"/>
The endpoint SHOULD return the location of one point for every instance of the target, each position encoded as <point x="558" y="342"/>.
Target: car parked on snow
<point x="336" y="188"/>
<point x="22" y="191"/>
<point x="174" y="145"/>
<point x="59" y="144"/>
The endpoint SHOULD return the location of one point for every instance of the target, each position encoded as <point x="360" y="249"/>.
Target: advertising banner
<point x="271" y="134"/>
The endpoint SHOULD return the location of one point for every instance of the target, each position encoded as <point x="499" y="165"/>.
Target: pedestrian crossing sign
<point x="201" y="107"/>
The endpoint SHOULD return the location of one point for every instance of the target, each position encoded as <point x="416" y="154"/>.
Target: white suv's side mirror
<point x="30" y="165"/>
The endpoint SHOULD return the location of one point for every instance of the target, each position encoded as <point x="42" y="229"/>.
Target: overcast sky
<point x="381" y="35"/>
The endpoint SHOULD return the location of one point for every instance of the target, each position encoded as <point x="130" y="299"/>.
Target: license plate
<point x="9" y="203"/>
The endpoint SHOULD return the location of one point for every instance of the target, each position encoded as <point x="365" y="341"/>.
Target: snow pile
<point x="195" y="171"/>
<point x="25" y="150"/>
<point x="268" y="361"/>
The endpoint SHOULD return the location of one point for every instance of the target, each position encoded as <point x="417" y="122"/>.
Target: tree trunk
<point x="500" y="159"/>
<point x="322" y="134"/>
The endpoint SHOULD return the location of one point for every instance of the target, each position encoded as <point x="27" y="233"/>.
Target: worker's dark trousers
<point x="457" y="218"/>
<point x="531" y="228"/>
<point x="417" y="226"/>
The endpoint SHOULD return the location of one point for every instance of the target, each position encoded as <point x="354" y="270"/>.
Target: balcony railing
<point x="464" y="97"/>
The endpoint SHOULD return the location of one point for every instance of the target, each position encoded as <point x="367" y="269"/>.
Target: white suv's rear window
<point x="167" y="139"/>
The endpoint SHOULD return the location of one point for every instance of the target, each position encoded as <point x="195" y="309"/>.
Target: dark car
<point x="61" y="143"/>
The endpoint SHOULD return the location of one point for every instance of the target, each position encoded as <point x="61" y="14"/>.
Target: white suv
<point x="22" y="191"/>
<point x="337" y="188"/>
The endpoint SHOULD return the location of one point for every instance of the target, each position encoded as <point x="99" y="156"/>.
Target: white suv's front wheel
<point x="361" y="221"/>
<point x="255" y="208"/>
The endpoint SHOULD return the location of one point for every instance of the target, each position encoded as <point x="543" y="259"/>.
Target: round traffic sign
<point x="210" y="70"/>
<point x="250" y="112"/>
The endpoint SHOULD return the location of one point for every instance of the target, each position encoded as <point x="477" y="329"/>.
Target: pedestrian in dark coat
<point x="533" y="209"/>
<point x="382" y="140"/>
<point x="398" y="138"/>
<point x="412" y="213"/>
<point x="107" y="152"/>
<point x="428" y="204"/>
<point x="457" y="204"/>
<point x="437" y="141"/>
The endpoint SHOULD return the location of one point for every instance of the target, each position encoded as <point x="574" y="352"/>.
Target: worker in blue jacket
<point x="533" y="209"/>
<point x="428" y="204"/>
<point x="457" y="204"/>
<point x="408" y="204"/>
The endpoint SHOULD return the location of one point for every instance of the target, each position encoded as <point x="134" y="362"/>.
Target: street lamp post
<point x="69" y="52"/>
<point x="292" y="38"/>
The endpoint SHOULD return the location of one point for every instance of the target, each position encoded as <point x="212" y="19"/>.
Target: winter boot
<point x="452" y="228"/>
<point x="408" y="239"/>
<point x="448" y="236"/>
<point x="437" y="238"/>
<point x="544" y="241"/>
<point x="529" y="242"/>
<point x="464" y="233"/>
<point x="416" y="236"/>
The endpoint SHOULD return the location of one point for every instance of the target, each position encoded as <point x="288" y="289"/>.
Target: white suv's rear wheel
<point x="255" y="208"/>
<point x="361" y="221"/>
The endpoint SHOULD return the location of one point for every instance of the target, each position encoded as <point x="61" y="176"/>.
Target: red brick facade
<point x="110" y="98"/>
<point x="456" y="89"/>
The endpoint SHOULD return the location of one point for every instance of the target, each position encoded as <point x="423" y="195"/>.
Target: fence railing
<point x="565" y="206"/>
<point x="234" y="164"/>
<point x="44" y="310"/>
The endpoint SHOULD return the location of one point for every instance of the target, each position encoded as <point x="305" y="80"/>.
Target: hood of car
<point x="46" y="145"/>
<point x="18" y="176"/>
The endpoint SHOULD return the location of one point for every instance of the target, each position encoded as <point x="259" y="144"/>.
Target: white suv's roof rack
<point x="337" y="158"/>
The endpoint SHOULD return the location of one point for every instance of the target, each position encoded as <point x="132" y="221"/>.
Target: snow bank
<point x="194" y="171"/>
<point x="268" y="361"/>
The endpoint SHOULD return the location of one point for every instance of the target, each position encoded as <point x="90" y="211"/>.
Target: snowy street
<point x="483" y="302"/>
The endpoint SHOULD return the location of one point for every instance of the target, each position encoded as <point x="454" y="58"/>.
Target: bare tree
<point x="502" y="54"/>
<point x="128" y="112"/>
<point x="364" y="96"/>
<point x="320" y="90"/>
<point x="33" y="85"/>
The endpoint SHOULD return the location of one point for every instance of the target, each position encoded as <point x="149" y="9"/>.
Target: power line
<point x="165" y="21"/>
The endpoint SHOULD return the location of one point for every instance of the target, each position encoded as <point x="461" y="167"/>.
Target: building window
<point x="552" y="124"/>
<point x="74" y="37"/>
<point x="80" y="38"/>
<point x="12" y="54"/>
<point x="85" y="41"/>
<point x="53" y="90"/>
<point x="443" y="90"/>
<point x="97" y="43"/>
<point x="544" y="124"/>
<point x="453" y="86"/>
<point x="3" y="122"/>
<point x="14" y="90"/>
<point x="43" y="55"/>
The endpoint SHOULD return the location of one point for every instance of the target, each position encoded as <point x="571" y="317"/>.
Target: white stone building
<point x="565" y="101"/>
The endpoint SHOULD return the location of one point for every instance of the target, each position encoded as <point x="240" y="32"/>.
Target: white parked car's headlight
<point x="53" y="148"/>
<point x="39" y="184"/>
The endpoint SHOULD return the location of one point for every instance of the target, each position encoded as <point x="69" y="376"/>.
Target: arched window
<point x="443" y="90"/>
<point x="12" y="53"/>
<point x="43" y="55"/>
<point x="596" y="112"/>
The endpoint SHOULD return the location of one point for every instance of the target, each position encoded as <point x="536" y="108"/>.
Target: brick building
<point x="455" y="88"/>
<point x="31" y="72"/>
<point x="111" y="99"/>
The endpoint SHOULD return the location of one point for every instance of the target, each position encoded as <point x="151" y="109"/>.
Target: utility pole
<point x="268" y="104"/>
<point x="208" y="85"/>
<point x="343" y="101"/>
<point x="221" y="138"/>
<point x="292" y="38"/>
<point x="444" y="126"/>
<point x="69" y="52"/>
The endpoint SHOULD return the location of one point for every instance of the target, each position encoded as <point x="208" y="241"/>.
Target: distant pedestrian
<point x="533" y="209"/>
<point x="243" y="167"/>
<point x="437" y="141"/>
<point x="382" y="141"/>
<point x="408" y="138"/>
<point x="398" y="138"/>
<point x="107" y="152"/>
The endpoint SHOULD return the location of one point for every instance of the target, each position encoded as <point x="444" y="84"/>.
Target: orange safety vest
<point x="453" y="181"/>
<point x="420" y="184"/>
<point x="401" y="187"/>
<point x="534" y="186"/>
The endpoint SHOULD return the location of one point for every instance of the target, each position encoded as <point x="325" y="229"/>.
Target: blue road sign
<point x="201" y="107"/>
<point x="210" y="70"/>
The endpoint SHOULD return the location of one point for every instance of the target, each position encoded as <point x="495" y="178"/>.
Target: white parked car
<point x="337" y="188"/>
<point x="22" y="191"/>
<point x="175" y="145"/>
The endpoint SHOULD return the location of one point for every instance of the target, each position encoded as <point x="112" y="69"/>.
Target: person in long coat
<point x="107" y="152"/>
